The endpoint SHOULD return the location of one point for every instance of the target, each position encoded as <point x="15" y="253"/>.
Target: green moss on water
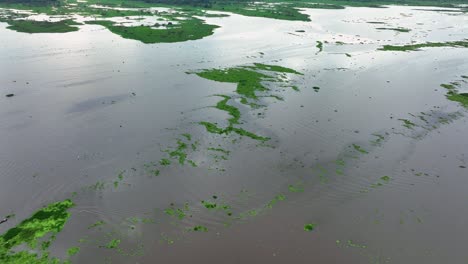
<point x="212" y="128"/>
<point x="309" y="227"/>
<point x="405" y="30"/>
<point x="179" y="152"/>
<point x="319" y="46"/>
<point x="413" y="47"/>
<point x="73" y="251"/>
<point x="227" y="152"/>
<point x="250" y="81"/>
<point x="209" y="205"/>
<point x="187" y="29"/>
<point x="296" y="188"/>
<point x="200" y="228"/>
<point x="113" y="244"/>
<point x="41" y="228"/>
<point x="32" y="26"/>
<point x="97" y="224"/>
<point x="187" y="136"/>
<point x="407" y="123"/>
<point x="454" y="95"/>
<point x="274" y="201"/>
<point x="233" y="111"/>
<point x="360" y="149"/>
<point x="386" y="179"/>
<point x="180" y="213"/>
<point x="274" y="68"/>
<point x="165" y="162"/>
<point x="248" y="78"/>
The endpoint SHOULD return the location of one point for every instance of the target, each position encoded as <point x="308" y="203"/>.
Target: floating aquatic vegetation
<point x="113" y="244"/>
<point x="35" y="234"/>
<point x="405" y="30"/>
<point x="319" y="46"/>
<point x="360" y="149"/>
<point x="200" y="228"/>
<point x="454" y="95"/>
<point x="407" y="123"/>
<point x="309" y="227"/>
<point x="413" y="47"/>
<point x="32" y="26"/>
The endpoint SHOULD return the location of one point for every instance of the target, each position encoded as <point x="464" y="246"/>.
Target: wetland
<point x="233" y="132"/>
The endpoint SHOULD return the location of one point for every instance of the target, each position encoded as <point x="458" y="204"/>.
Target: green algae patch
<point x="179" y="213"/>
<point x="407" y="123"/>
<point x="319" y="46"/>
<point x="209" y="205"/>
<point x="275" y="200"/>
<point x="454" y="95"/>
<point x="212" y="128"/>
<point x="32" y="26"/>
<point x="360" y="149"/>
<point x="413" y="47"/>
<point x="113" y="244"/>
<point x="232" y="111"/>
<point x="385" y="179"/>
<point x="309" y="227"/>
<point x="42" y="228"/>
<point x="187" y="29"/>
<point x="296" y="188"/>
<point x="73" y="251"/>
<point x="248" y="78"/>
<point x="179" y="152"/>
<point x="405" y="30"/>
<point x="97" y="224"/>
<point x="250" y="81"/>
<point x="165" y="162"/>
<point x="200" y="228"/>
<point x="274" y="68"/>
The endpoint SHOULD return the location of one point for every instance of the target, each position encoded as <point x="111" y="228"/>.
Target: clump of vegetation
<point x="35" y="235"/>
<point x="309" y="227"/>
<point x="405" y="30"/>
<point x="32" y="26"/>
<point x="250" y="81"/>
<point x="454" y="95"/>
<point x="412" y="47"/>
<point x="180" y="213"/>
<point x="187" y="29"/>
<point x="319" y="46"/>
<point x="360" y="149"/>
<point x="200" y="228"/>
<point x="407" y="123"/>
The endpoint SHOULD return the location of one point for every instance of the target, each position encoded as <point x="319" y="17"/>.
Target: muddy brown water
<point x="89" y="105"/>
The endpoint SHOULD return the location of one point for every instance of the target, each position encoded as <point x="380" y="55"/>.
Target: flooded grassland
<point x="156" y="134"/>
